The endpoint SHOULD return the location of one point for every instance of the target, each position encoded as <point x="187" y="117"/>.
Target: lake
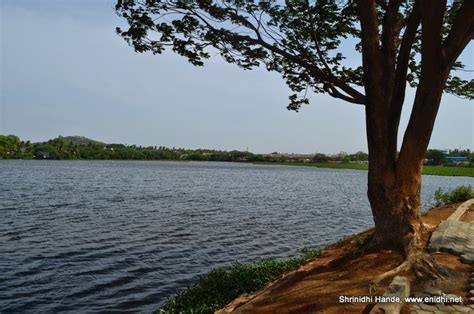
<point x="102" y="236"/>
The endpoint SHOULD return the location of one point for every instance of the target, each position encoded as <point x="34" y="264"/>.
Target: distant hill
<point x="81" y="140"/>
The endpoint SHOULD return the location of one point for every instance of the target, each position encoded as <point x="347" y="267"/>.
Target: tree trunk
<point x="396" y="209"/>
<point x="394" y="195"/>
<point x="394" y="182"/>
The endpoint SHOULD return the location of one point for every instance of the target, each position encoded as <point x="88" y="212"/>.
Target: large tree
<point x="401" y="42"/>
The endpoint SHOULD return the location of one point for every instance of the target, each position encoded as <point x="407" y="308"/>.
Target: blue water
<point x="101" y="236"/>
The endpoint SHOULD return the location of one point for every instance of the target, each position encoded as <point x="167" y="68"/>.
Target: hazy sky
<point x="64" y="71"/>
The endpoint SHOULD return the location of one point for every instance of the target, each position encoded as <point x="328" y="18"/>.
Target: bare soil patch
<point x="468" y="215"/>
<point x="346" y="270"/>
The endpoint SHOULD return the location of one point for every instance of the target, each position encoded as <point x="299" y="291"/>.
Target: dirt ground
<point x="345" y="270"/>
<point x="468" y="215"/>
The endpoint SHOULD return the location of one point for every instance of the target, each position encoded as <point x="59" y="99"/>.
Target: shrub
<point x="459" y="194"/>
<point x="219" y="287"/>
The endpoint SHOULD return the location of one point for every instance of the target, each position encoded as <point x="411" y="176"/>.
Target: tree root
<point x="405" y="266"/>
<point x="421" y="264"/>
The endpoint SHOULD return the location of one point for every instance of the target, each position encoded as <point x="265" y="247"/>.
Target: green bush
<point x="459" y="194"/>
<point x="219" y="287"/>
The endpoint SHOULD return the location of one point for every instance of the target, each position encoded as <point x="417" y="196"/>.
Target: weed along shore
<point x="338" y="278"/>
<point x="427" y="170"/>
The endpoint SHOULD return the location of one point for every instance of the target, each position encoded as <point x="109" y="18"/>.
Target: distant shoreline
<point x="427" y="170"/>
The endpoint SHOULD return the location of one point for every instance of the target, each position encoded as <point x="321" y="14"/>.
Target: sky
<point x="64" y="71"/>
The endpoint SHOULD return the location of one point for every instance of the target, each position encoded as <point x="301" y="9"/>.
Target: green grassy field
<point x="428" y="170"/>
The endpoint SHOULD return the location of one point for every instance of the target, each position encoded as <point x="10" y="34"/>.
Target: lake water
<point x="96" y="236"/>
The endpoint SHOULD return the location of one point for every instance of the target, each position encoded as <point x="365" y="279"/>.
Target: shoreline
<point x="427" y="170"/>
<point x="316" y="282"/>
<point x="344" y="270"/>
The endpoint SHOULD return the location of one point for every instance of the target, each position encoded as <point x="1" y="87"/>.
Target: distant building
<point x="276" y="156"/>
<point x="456" y="159"/>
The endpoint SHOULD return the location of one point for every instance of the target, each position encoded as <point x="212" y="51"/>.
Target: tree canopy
<point x="300" y="39"/>
<point x="400" y="43"/>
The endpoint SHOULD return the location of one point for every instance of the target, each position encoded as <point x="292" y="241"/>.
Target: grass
<point x="427" y="170"/>
<point x="360" y="241"/>
<point x="449" y="171"/>
<point x="220" y="286"/>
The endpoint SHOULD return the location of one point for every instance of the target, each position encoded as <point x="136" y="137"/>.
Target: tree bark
<point x="396" y="210"/>
<point x="394" y="181"/>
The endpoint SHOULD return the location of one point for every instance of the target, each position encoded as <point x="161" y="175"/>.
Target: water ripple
<point x="122" y="237"/>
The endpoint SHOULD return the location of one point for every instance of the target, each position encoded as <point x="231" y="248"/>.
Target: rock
<point x="462" y="309"/>
<point x="468" y="258"/>
<point x="386" y="308"/>
<point x="399" y="288"/>
<point x="429" y="308"/>
<point x="433" y="291"/>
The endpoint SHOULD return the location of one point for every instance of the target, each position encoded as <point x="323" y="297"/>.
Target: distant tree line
<point x="341" y="157"/>
<point x="12" y="147"/>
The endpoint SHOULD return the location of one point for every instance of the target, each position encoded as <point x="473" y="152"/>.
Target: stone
<point x="433" y="291"/>
<point x="399" y="287"/>
<point x="454" y="248"/>
<point x="453" y="297"/>
<point x="462" y="309"/>
<point x="459" y="212"/>
<point x="427" y="307"/>
<point x="446" y="309"/>
<point x="468" y="258"/>
<point x="386" y="308"/>
<point x="471" y="293"/>
<point x="470" y="300"/>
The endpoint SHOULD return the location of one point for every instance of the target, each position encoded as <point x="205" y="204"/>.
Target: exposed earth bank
<point x="344" y="269"/>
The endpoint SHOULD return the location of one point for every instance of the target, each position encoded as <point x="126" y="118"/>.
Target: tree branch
<point x="382" y="4"/>
<point x="461" y="33"/>
<point x="389" y="33"/>
<point x="327" y="87"/>
<point x="332" y="91"/>
<point x="355" y="96"/>
<point x="315" y="38"/>
<point x="371" y="55"/>
<point x="432" y="14"/>
<point x="401" y="71"/>
<point x="428" y="94"/>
